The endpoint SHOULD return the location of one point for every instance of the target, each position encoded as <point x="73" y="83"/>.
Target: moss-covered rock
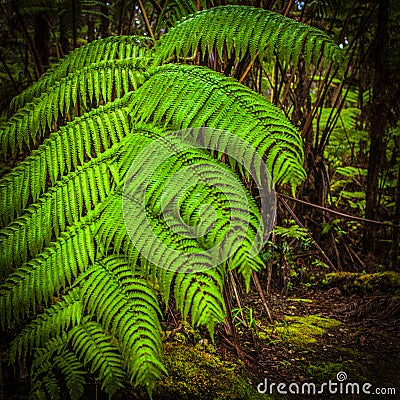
<point x="194" y="374"/>
<point x="303" y="330"/>
<point x="348" y="282"/>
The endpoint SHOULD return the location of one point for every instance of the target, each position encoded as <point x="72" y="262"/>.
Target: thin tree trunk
<point x="396" y="221"/>
<point x="41" y="39"/>
<point x="378" y="123"/>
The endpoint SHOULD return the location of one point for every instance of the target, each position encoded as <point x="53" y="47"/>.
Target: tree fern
<point x="60" y="317"/>
<point x="74" y="143"/>
<point x="243" y="29"/>
<point x="90" y="234"/>
<point x="103" y="50"/>
<point x="199" y="97"/>
<point x="95" y="83"/>
<point x="72" y="369"/>
<point x="129" y="309"/>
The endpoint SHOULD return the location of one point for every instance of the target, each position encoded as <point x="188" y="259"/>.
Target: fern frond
<point x="95" y="347"/>
<point x="130" y="311"/>
<point x="62" y="153"/>
<point x="73" y="373"/>
<point x="245" y="29"/>
<point x="175" y="10"/>
<point x="200" y="294"/>
<point x="46" y="387"/>
<point x="42" y="375"/>
<point x="44" y="276"/>
<point x="198" y="97"/>
<point x="101" y="50"/>
<point x="60" y="317"/>
<point x="95" y="83"/>
<point x="62" y="205"/>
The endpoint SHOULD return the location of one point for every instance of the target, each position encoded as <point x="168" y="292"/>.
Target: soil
<point x="365" y="344"/>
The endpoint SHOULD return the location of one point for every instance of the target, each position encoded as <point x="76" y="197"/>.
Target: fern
<point x="42" y="374"/>
<point x="102" y="50"/>
<point x="95" y="347"/>
<point x="95" y="83"/>
<point x="90" y="134"/>
<point x="129" y="309"/>
<point x="89" y="230"/>
<point x="72" y="370"/>
<point x="55" y="320"/>
<point x="241" y="29"/>
<point x="199" y="97"/>
<point x="176" y="10"/>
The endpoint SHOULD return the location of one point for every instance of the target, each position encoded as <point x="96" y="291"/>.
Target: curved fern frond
<point x="198" y="97"/>
<point x="43" y="378"/>
<point x="200" y="294"/>
<point x="62" y="205"/>
<point x="94" y="83"/>
<point x="129" y="309"/>
<point x="176" y="10"/>
<point x="52" y="322"/>
<point x="101" y="50"/>
<point x="95" y="347"/>
<point x="46" y="387"/>
<point x="73" y="373"/>
<point x="42" y="277"/>
<point x="83" y="138"/>
<point x="208" y="181"/>
<point x="241" y="29"/>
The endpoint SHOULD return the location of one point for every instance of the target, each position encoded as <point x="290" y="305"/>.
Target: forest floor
<point x="344" y="330"/>
<point x="346" y="324"/>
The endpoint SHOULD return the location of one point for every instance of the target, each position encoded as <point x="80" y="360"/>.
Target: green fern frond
<point x="101" y="50"/>
<point x="95" y="347"/>
<point x="175" y="10"/>
<point x="42" y="277"/>
<point x="60" y="317"/>
<point x="42" y="375"/>
<point x="96" y="83"/>
<point x="46" y="387"/>
<point x="200" y="294"/>
<point x="130" y="311"/>
<point x="198" y="97"/>
<point x="60" y="154"/>
<point x="245" y="29"/>
<point x="73" y="373"/>
<point x="62" y="205"/>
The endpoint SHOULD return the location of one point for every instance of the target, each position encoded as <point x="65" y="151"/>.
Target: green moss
<point x="323" y="370"/>
<point x="387" y="282"/>
<point x="301" y="330"/>
<point x="301" y="300"/>
<point x="197" y="375"/>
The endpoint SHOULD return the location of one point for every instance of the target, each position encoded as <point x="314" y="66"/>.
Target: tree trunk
<point x="41" y="40"/>
<point x="378" y="123"/>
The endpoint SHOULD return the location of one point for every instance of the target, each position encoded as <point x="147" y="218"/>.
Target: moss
<point x="196" y="375"/>
<point x="386" y="282"/>
<point x="301" y="300"/>
<point x="322" y="371"/>
<point x="301" y="330"/>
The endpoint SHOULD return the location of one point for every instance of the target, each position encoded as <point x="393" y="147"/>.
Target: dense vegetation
<point x="104" y="103"/>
